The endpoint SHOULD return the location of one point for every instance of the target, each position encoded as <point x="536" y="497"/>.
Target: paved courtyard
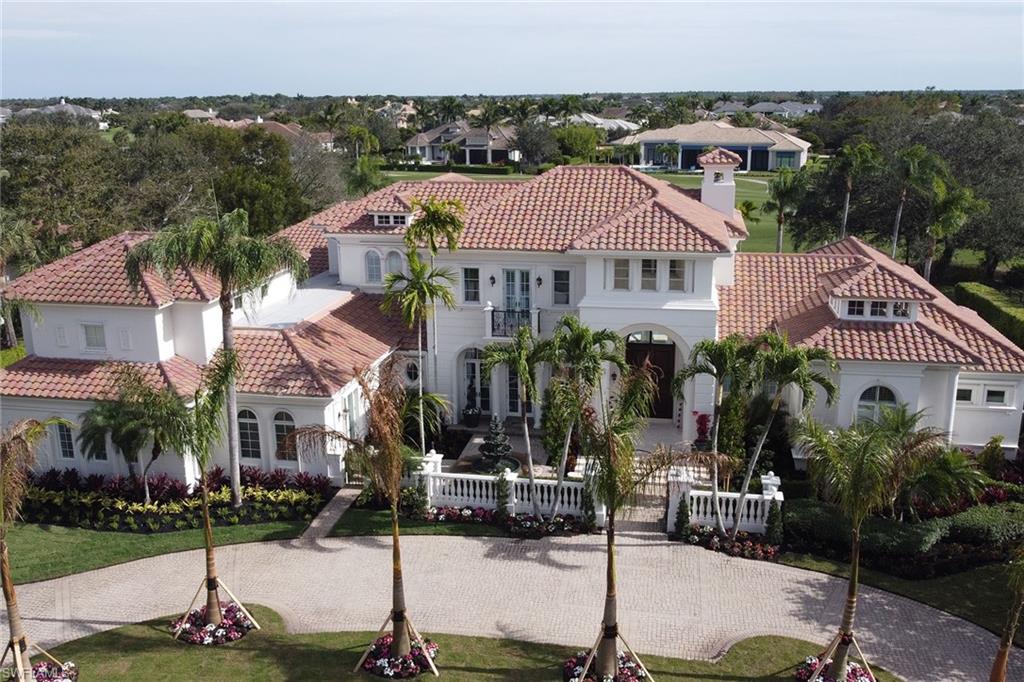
<point x="675" y="600"/>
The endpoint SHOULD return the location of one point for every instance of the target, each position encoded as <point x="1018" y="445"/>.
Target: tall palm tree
<point x="577" y="355"/>
<point x="139" y="413"/>
<point x="200" y="432"/>
<point x="363" y="139"/>
<point x="778" y="363"/>
<point x="853" y="470"/>
<point x="727" y="362"/>
<point x="669" y="152"/>
<point x="616" y="475"/>
<point x="330" y="116"/>
<point x="784" y="191"/>
<point x="1015" y="580"/>
<point x="950" y="212"/>
<point x="17" y="244"/>
<point x="413" y="295"/>
<point x="914" y="168"/>
<point x="520" y="355"/>
<point x="364" y="176"/>
<point x="521" y="110"/>
<point x="450" y="109"/>
<point x="855" y="161"/>
<point x="17" y="455"/>
<point x="450" y="149"/>
<point x="489" y="114"/>
<point x="240" y="259"/>
<point x="436" y="221"/>
<point x="569" y="106"/>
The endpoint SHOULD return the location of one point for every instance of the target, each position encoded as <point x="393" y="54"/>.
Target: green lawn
<point x="43" y="552"/>
<point x="146" y="651"/>
<point x="8" y="356"/>
<point x="979" y="595"/>
<point x="355" y="522"/>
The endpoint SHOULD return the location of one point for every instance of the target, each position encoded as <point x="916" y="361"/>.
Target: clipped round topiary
<point x="379" y="660"/>
<point x="233" y="626"/>
<point x="629" y="669"/>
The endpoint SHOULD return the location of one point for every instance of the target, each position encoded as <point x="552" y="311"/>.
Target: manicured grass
<point x="8" y="356"/>
<point x="44" y="552"/>
<point x="356" y="522"/>
<point x="146" y="651"/>
<point x="979" y="595"/>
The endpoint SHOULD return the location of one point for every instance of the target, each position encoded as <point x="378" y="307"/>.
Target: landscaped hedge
<point x="1000" y="310"/>
<point x="1000" y="525"/>
<point x="453" y="168"/>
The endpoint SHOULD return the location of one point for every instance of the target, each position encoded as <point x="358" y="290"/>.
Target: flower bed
<point x="233" y="626"/>
<point x="48" y="671"/>
<point x="855" y="672"/>
<point x="747" y="545"/>
<point x="518" y="525"/>
<point x="629" y="669"/>
<point x="379" y="660"/>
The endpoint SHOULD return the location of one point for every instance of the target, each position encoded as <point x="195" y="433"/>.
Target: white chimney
<point x="718" y="189"/>
<point x="259" y="119"/>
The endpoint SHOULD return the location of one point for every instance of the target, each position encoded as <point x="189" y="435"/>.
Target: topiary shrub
<point x="682" y="516"/>
<point x="774" y="532"/>
<point x="998" y="525"/>
<point x="991" y="458"/>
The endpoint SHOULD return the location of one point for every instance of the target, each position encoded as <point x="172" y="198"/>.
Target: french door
<point x="517" y="289"/>
<point x="514" y="405"/>
<point x="478" y="382"/>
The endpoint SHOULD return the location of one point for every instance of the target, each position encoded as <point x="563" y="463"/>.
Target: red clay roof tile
<point x="72" y="379"/>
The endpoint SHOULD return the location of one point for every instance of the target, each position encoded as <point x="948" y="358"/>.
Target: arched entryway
<point x="658" y="349"/>
<point x="474" y="383"/>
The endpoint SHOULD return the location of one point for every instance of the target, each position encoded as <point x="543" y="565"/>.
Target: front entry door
<point x="662" y="357"/>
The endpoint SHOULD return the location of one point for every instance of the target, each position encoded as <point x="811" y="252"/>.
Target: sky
<point x="432" y="48"/>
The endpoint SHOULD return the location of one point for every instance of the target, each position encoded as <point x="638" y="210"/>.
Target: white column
<point x="488" y="309"/>
<point x="467" y="156"/>
<point x="679" y="157"/>
<point x="750" y="153"/>
<point x="488" y="154"/>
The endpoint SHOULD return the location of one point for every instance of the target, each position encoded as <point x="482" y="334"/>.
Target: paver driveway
<point x="676" y="600"/>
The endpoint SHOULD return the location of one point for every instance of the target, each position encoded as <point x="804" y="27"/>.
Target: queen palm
<point x="616" y="475"/>
<point x="784" y="191"/>
<point x="450" y="149"/>
<point x="413" y="296"/>
<point x="1015" y="581"/>
<point x="17" y="455"/>
<point x="950" y="212"/>
<point x="241" y="260"/>
<point x="364" y="176"/>
<point x="669" y="152"/>
<point x="138" y="414"/>
<point x="852" y="469"/>
<point x="778" y="363"/>
<point x="914" y="168"/>
<point x="855" y="161"/>
<point x="520" y="355"/>
<point x="577" y="355"/>
<point x="489" y="114"/>
<point x="438" y="221"/>
<point x="726" y="361"/>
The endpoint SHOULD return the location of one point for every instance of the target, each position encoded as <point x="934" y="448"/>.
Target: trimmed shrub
<point x="1000" y="310"/>
<point x="998" y="525"/>
<point x="682" y="517"/>
<point x="774" y="532"/>
<point x="991" y="458"/>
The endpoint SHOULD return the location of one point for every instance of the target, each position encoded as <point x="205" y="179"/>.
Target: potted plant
<point x="703" y="441"/>
<point x="471" y="413"/>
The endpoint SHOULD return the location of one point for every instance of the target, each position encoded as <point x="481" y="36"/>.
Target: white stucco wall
<point x="197" y="329"/>
<point x="132" y="333"/>
<point x="973" y="425"/>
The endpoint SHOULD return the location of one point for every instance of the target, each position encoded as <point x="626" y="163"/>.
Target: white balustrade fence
<point x="753" y="516"/>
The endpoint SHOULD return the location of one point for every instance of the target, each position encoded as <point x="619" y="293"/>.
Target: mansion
<point x="619" y="249"/>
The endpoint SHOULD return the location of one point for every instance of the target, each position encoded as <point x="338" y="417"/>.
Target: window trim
<point x="387" y="262"/>
<point x="59" y="431"/>
<point x="682" y="278"/>
<point x="979" y="397"/>
<point x="85" y="337"/>
<point x="277" y="438"/>
<point x="255" y="421"/>
<point x="615" y="277"/>
<point x="465" y="298"/>
<point x="645" y="278"/>
<point x="554" y="287"/>
<point x="366" y="269"/>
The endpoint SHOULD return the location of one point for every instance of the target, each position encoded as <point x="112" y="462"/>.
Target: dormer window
<point x="389" y="219"/>
<point x="855" y="308"/>
<point x="879" y="309"/>
<point x="901" y="309"/>
<point x="383" y="220"/>
<point x="876" y="310"/>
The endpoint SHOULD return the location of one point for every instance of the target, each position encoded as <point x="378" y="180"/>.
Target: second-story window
<point x="649" y="274"/>
<point x="94" y="336"/>
<point x="398" y="219"/>
<point x="855" y="308"/>
<point x="394" y="262"/>
<point x="560" y="287"/>
<point x="901" y="309"/>
<point x="676" y="275"/>
<point x="879" y="309"/>
<point x="383" y="220"/>
<point x="620" y="274"/>
<point x="373" y="272"/>
<point x="471" y="285"/>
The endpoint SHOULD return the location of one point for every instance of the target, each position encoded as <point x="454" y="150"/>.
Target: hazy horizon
<point x="424" y="48"/>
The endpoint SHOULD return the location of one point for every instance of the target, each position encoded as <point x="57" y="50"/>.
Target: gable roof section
<point x="311" y="243"/>
<point x="719" y="157"/>
<point x="718" y="133"/>
<point x="71" y="379"/>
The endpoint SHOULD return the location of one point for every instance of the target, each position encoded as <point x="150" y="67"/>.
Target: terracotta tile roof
<point x="719" y="157"/>
<point x="311" y="243"/>
<point x="568" y="207"/>
<point x="321" y="355"/>
<point x="96" y="275"/>
<point x="72" y="379"/>
<point x="790" y="292"/>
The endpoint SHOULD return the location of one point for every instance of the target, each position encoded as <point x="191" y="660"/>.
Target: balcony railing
<point x="503" y="324"/>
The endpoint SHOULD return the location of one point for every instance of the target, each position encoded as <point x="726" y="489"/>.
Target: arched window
<point x="872" y="401"/>
<point x="394" y="262"/>
<point x="412" y="371"/>
<point x="373" y="273"/>
<point x="283" y="426"/>
<point x="248" y="434"/>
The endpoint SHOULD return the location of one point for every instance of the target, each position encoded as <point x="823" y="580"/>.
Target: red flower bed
<point x="233" y="626"/>
<point x="747" y="545"/>
<point x="855" y="672"/>
<point x="629" y="670"/>
<point x="379" y="660"/>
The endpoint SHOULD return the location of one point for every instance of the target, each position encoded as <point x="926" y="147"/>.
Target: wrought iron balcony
<point x="505" y="323"/>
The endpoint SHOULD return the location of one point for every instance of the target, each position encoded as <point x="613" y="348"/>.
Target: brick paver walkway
<point x="675" y="600"/>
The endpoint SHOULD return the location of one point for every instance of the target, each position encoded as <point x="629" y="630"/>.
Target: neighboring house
<point x="62" y="108"/>
<point x="200" y="114"/>
<point x="758" y="149"/>
<point x="290" y="131"/>
<point x="399" y="113"/>
<point x="787" y="109"/>
<point x="617" y="248"/>
<point x="476" y="145"/>
<point x="614" y="126"/>
<point x="5" y="114"/>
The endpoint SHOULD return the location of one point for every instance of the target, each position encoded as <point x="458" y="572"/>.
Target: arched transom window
<point x="283" y="426"/>
<point x="394" y="262"/>
<point x="373" y="271"/>
<point x="248" y="434"/>
<point x="872" y="401"/>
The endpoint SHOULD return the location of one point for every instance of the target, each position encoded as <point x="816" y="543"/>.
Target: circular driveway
<point x="675" y="600"/>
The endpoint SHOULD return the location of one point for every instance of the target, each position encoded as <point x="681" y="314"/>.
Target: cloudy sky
<point x="199" y="48"/>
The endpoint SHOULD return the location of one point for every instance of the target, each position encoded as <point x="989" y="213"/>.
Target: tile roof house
<point x="758" y="149"/>
<point x="476" y="145"/>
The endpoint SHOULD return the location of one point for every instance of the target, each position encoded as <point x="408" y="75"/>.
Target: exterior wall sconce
<point x="539" y="282"/>
<point x="615" y="376"/>
<point x="492" y="280"/>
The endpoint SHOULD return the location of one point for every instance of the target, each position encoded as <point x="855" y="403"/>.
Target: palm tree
<point x="577" y="355"/>
<point x="17" y="244"/>
<point x="1015" y="580"/>
<point x="747" y="208"/>
<point x="785" y="191"/>
<point x="450" y="109"/>
<point x="777" y="362"/>
<point x="520" y="355"/>
<point x="363" y="139"/>
<point x="364" y="176"/>
<point x="950" y="212"/>
<point x="855" y="161"/>
<point x="17" y="455"/>
<point x="201" y="431"/>
<point x="616" y="475"/>
<point x="521" y="110"/>
<point x="726" y="361"/>
<point x="852" y="469"/>
<point x="240" y="259"/>
<point x="669" y="152"/>
<point x="438" y="220"/>
<point x="568" y="106"/>
<point x="489" y="114"/>
<point x="914" y="168"/>
<point x="413" y="295"/>
<point x="450" y="149"/>
<point x="138" y="414"/>
<point x="330" y="116"/>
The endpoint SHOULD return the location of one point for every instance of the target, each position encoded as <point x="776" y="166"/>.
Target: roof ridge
<point x="145" y="284"/>
<point x="984" y="330"/>
<point x="950" y="337"/>
<point x="320" y="382"/>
